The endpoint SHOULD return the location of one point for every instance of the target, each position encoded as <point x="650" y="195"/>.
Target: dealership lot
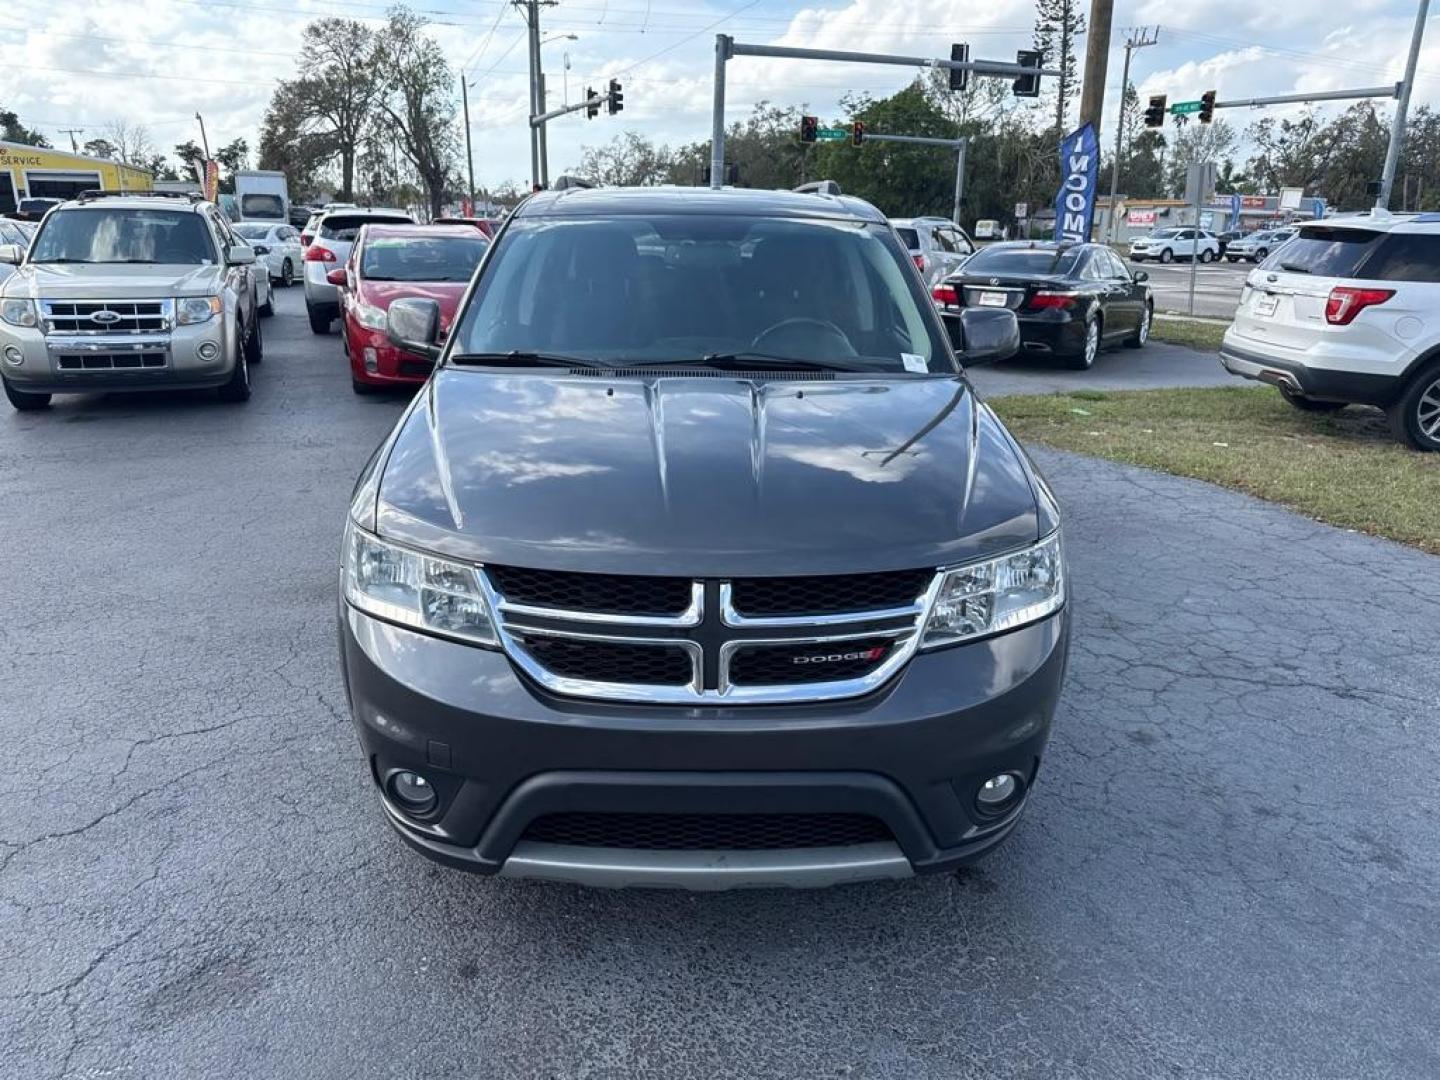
<point x="1227" y="869"/>
<point x="1217" y="286"/>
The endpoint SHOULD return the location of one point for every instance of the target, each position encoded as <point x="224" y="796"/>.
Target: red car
<point x="488" y="226"/>
<point x="389" y="263"/>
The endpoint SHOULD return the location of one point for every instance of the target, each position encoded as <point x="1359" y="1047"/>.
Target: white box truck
<point x="262" y="195"/>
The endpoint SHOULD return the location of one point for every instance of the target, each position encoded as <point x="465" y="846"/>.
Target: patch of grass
<point x="1204" y="336"/>
<point x="1342" y="468"/>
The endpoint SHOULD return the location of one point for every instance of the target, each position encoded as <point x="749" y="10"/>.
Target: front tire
<point x="238" y="388"/>
<point x="1207" y="256"/>
<point x="1138" y="339"/>
<point x="1415" y="415"/>
<point x="1259" y="256"/>
<point x="1309" y="404"/>
<point x="268" y="308"/>
<point x="254" y="346"/>
<point x="23" y="400"/>
<point x="1166" y="255"/>
<point x="287" y="274"/>
<point x="1086" y="358"/>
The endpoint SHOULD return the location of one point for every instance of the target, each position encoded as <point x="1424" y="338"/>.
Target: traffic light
<point x="615" y="100"/>
<point x="959" y="77"/>
<point x="592" y="103"/>
<point x="857" y="133"/>
<point x="809" y="125"/>
<point x="1155" y="114"/>
<point x="1028" y="85"/>
<point x="1207" y="106"/>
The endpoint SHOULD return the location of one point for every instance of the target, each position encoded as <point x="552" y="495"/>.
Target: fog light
<point x="207" y="350"/>
<point x="13" y="355"/>
<point x="1000" y="793"/>
<point x="412" y="793"/>
<point x="372" y="361"/>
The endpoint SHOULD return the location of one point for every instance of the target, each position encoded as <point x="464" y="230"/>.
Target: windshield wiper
<point x="749" y="361"/>
<point x="521" y="358"/>
<point x="1293" y="268"/>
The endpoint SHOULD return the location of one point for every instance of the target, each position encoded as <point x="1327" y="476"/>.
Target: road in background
<point x="1217" y="285"/>
<point x="1227" y="869"/>
<point x="1154" y="367"/>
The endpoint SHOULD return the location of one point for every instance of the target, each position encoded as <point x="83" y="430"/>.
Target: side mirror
<point x="261" y="249"/>
<point x="414" y="325"/>
<point x="1141" y="276"/>
<point x="337" y="277"/>
<point x="11" y="254"/>
<point x="983" y="335"/>
<point x="241" y="256"/>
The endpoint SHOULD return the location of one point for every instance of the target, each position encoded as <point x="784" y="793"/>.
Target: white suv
<point x="1167" y="245"/>
<point x="1349" y="312"/>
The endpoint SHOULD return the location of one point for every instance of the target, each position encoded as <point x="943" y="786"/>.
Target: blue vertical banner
<point x="1234" y="222"/>
<point x="1079" y="169"/>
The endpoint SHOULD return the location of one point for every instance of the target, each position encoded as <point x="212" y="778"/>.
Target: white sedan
<point x="277" y="247"/>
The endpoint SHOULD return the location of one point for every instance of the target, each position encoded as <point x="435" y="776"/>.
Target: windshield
<point x="262" y="206"/>
<point x="1022" y="260"/>
<point x="677" y="288"/>
<point x="113" y="235"/>
<point x="252" y="232"/>
<point x="411" y="258"/>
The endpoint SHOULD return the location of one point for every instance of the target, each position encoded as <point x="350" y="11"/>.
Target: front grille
<point x="609" y="594"/>
<point x="416" y="369"/>
<point x="707" y="832"/>
<point x="829" y="594"/>
<point x="129" y="316"/>
<point x="611" y="661"/>
<point x="790" y="664"/>
<point x="125" y="361"/>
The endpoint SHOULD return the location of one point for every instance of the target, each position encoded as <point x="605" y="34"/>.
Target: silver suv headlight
<point x="19" y="312"/>
<point x="998" y="594"/>
<point x="190" y="310"/>
<point x="415" y="589"/>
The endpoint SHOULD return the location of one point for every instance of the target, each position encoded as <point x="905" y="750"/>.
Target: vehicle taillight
<point x="1346" y="302"/>
<point x="316" y="253"/>
<point x="919" y="262"/>
<point x="305" y="239"/>
<point x="946" y="294"/>
<point x="1042" y="300"/>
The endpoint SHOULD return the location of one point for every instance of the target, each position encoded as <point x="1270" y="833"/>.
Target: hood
<point x="82" y="281"/>
<point x="447" y="294"/>
<point x="705" y="477"/>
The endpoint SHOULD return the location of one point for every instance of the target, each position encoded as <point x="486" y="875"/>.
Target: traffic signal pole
<point x="958" y="145"/>
<point x="726" y="48"/>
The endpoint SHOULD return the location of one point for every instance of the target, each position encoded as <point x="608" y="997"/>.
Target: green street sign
<point x="844" y="133"/>
<point x="1185" y="108"/>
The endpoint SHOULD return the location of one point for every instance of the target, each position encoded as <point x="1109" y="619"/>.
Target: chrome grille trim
<point x="125" y="316"/>
<point x="731" y="617"/>
<point x="514" y="621"/>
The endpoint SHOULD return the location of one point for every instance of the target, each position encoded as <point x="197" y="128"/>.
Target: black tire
<point x="319" y="324"/>
<point x="238" y="388"/>
<point x="1232" y="258"/>
<point x="1311" y="405"/>
<point x="1166" y="255"/>
<point x="23" y="400"/>
<point x="1415" y="415"/>
<point x="364" y="389"/>
<point x="1259" y="256"/>
<point x="1138" y="339"/>
<point x="269" y="307"/>
<point x="254" y="345"/>
<point x="1085" y="359"/>
<point x="1207" y="256"/>
<point x="287" y="274"/>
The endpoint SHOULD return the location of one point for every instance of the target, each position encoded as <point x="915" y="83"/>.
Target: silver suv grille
<point x="670" y="640"/>
<point x="108" y="316"/>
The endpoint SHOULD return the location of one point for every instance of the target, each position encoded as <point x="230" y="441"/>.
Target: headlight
<point x="998" y="594"/>
<point x="19" y="312"/>
<point x="370" y="316"/>
<point x="423" y="592"/>
<point x="196" y="309"/>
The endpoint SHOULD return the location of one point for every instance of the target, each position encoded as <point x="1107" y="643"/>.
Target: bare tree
<point x="130" y="143"/>
<point x="627" y="160"/>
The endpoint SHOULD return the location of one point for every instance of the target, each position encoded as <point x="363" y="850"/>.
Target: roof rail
<point x="97" y="193"/>
<point x="820" y="187"/>
<point x="565" y="183"/>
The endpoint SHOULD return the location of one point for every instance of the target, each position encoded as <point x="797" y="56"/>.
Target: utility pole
<point x="1402" y="108"/>
<point x="1097" y="63"/>
<point x="204" y="142"/>
<point x="469" y="154"/>
<point x="72" y="132"/>
<point x="539" y="163"/>
<point x="1132" y="42"/>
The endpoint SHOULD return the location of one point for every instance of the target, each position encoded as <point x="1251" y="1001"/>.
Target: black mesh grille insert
<point x="781" y="665"/>
<point x="829" y="594"/>
<point x="707" y="832"/>
<point x="610" y="594"/>
<point x="611" y="661"/>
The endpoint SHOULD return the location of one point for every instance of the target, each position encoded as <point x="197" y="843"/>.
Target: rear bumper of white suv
<point x="1294" y="373"/>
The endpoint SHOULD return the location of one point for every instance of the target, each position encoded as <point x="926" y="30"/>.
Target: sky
<point x="88" y="62"/>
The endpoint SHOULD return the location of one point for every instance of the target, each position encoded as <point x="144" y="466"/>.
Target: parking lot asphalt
<point x="1217" y="286"/>
<point x="1154" y="367"/>
<point x="1228" y="868"/>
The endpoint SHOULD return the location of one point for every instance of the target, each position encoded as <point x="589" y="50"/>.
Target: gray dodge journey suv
<point x="698" y="562"/>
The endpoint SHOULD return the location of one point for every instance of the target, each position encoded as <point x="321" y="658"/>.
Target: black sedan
<point x="1070" y="299"/>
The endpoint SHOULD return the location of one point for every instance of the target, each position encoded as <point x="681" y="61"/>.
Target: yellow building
<point x="32" y="172"/>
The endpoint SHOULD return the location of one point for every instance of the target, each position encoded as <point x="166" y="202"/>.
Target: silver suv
<point x="937" y="246"/>
<point x="128" y="292"/>
<point x="328" y="250"/>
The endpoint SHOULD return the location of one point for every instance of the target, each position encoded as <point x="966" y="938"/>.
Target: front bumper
<point x="392" y="366"/>
<point x="501" y="753"/>
<point x="80" y="363"/>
